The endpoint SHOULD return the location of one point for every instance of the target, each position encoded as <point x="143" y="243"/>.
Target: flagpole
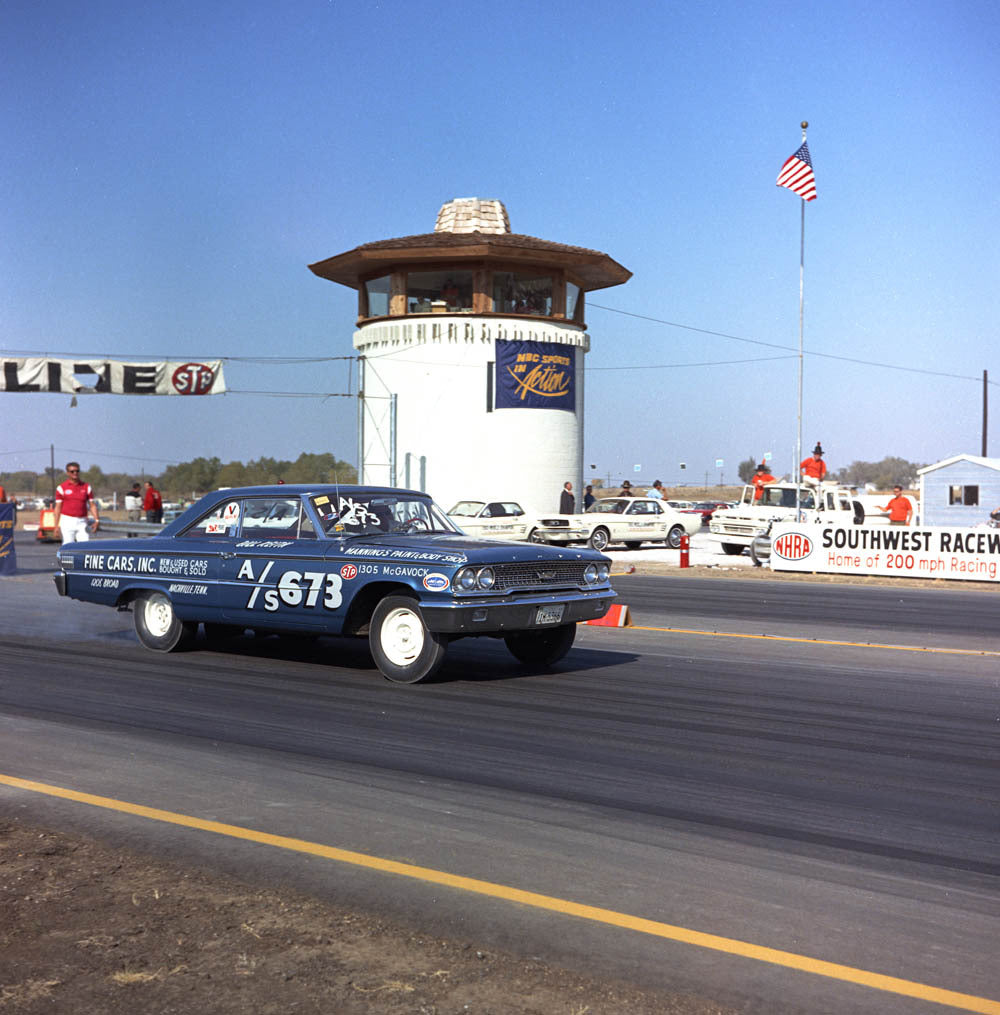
<point x="802" y="264"/>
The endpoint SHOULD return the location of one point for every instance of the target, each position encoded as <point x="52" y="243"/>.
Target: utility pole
<point x="985" y="407"/>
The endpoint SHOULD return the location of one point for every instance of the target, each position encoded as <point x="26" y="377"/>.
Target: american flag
<point x="797" y="174"/>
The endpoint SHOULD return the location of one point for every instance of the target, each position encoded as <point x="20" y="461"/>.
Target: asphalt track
<point x="751" y="796"/>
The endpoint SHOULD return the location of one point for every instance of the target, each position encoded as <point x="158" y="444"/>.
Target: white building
<point x="471" y="342"/>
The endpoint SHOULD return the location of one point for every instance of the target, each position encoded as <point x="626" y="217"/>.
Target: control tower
<point x="471" y="342"/>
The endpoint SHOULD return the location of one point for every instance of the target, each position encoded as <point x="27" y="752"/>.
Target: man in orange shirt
<point x="814" y="469"/>
<point x="759" y="478"/>
<point x="900" y="509"/>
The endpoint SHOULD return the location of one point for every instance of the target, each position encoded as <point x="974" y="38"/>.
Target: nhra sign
<point x="792" y="546"/>
<point x="112" y="377"/>
<point x="535" y="375"/>
<point x="902" y="551"/>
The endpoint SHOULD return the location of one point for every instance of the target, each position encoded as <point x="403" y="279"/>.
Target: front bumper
<point x="491" y="615"/>
<point x="558" y="535"/>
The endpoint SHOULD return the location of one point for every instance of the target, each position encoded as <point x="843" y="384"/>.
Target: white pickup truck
<point x="738" y="526"/>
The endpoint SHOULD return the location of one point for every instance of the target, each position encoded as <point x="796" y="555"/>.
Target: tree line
<point x="189" y="480"/>
<point x="883" y="475"/>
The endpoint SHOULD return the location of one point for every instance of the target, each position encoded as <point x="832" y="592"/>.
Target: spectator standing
<point x="152" y="503"/>
<point x="567" y="502"/>
<point x="814" y="469"/>
<point x="588" y="497"/>
<point x="133" y="503"/>
<point x="900" y="509"/>
<point x="73" y="501"/>
<point x="761" y="477"/>
<point x="656" y="490"/>
<point x="627" y="489"/>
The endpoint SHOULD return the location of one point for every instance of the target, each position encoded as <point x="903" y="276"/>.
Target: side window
<point x="271" y="518"/>
<point x="220" y="522"/>
<point x="496" y="511"/>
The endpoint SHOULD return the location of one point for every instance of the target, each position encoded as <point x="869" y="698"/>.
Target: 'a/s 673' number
<point x="301" y="588"/>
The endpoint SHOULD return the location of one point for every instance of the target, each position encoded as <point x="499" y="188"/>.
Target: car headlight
<point x="590" y="574"/>
<point x="466" y="579"/>
<point x="486" y="578"/>
<point x="603" y="572"/>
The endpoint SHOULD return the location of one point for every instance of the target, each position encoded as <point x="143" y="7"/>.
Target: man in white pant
<point x="73" y="499"/>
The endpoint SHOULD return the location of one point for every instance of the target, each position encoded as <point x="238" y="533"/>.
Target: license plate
<point x="550" y="614"/>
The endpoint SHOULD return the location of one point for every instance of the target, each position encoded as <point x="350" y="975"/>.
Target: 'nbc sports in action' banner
<point x="535" y="375"/>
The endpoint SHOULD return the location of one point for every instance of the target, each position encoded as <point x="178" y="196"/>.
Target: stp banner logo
<point x="792" y="546"/>
<point x="193" y="379"/>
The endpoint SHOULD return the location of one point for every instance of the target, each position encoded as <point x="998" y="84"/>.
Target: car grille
<point x="541" y="575"/>
<point x="554" y="523"/>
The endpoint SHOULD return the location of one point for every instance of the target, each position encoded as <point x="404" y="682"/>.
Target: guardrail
<point x="132" y="528"/>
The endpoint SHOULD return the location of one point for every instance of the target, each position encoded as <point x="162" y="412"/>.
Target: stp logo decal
<point x="435" y="582"/>
<point x="348" y="571"/>
<point x="193" y="379"/>
<point x="792" y="546"/>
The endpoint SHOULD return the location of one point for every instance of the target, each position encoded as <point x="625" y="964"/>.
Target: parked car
<point x="376" y="562"/>
<point x="492" y="519"/>
<point x="705" y="508"/>
<point x="629" y="520"/>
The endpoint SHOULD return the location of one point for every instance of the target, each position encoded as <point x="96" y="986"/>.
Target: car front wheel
<point x="599" y="539"/>
<point x="157" y="626"/>
<point x="402" y="647"/>
<point x="541" y="647"/>
<point x="732" y="549"/>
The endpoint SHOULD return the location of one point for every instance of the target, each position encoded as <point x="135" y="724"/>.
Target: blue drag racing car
<point x="340" y="560"/>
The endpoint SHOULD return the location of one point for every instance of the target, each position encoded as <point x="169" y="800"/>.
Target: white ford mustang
<point x="629" y="520"/>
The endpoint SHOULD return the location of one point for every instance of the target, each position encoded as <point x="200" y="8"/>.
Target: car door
<point x="276" y="575"/>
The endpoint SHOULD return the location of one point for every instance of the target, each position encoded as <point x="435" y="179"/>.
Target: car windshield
<point x="377" y="514"/>
<point x="467" y="508"/>
<point x="609" y="505"/>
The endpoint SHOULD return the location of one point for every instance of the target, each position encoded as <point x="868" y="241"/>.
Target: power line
<point x="174" y="357"/>
<point x="774" y="345"/>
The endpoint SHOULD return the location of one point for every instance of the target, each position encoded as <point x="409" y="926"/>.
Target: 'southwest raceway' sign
<point x="535" y="375"/>
<point x="112" y="377"/>
<point x="933" y="551"/>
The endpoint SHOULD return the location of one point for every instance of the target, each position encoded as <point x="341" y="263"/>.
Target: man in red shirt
<point x="152" y="503"/>
<point x="814" y="469"/>
<point x="900" y="509"/>
<point x="73" y="499"/>
<point x="759" y="478"/>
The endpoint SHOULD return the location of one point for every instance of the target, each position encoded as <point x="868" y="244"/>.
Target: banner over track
<point x="112" y="377"/>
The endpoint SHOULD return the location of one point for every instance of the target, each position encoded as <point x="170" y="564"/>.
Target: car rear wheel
<point x="599" y="539"/>
<point x="674" y="537"/>
<point x="402" y="647"/>
<point x="541" y="647"/>
<point x="157" y="626"/>
<point x="732" y="549"/>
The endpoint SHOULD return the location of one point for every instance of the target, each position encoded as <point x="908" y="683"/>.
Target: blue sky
<point x="168" y="172"/>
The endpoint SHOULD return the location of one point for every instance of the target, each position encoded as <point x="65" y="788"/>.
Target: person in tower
<point x="759" y="479"/>
<point x="814" y="469"/>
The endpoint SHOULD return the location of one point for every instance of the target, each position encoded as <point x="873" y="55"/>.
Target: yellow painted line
<point x="818" y="641"/>
<point x="731" y="946"/>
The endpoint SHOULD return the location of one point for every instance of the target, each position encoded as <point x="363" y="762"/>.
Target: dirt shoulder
<point x="88" y="927"/>
<point x="764" y="574"/>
